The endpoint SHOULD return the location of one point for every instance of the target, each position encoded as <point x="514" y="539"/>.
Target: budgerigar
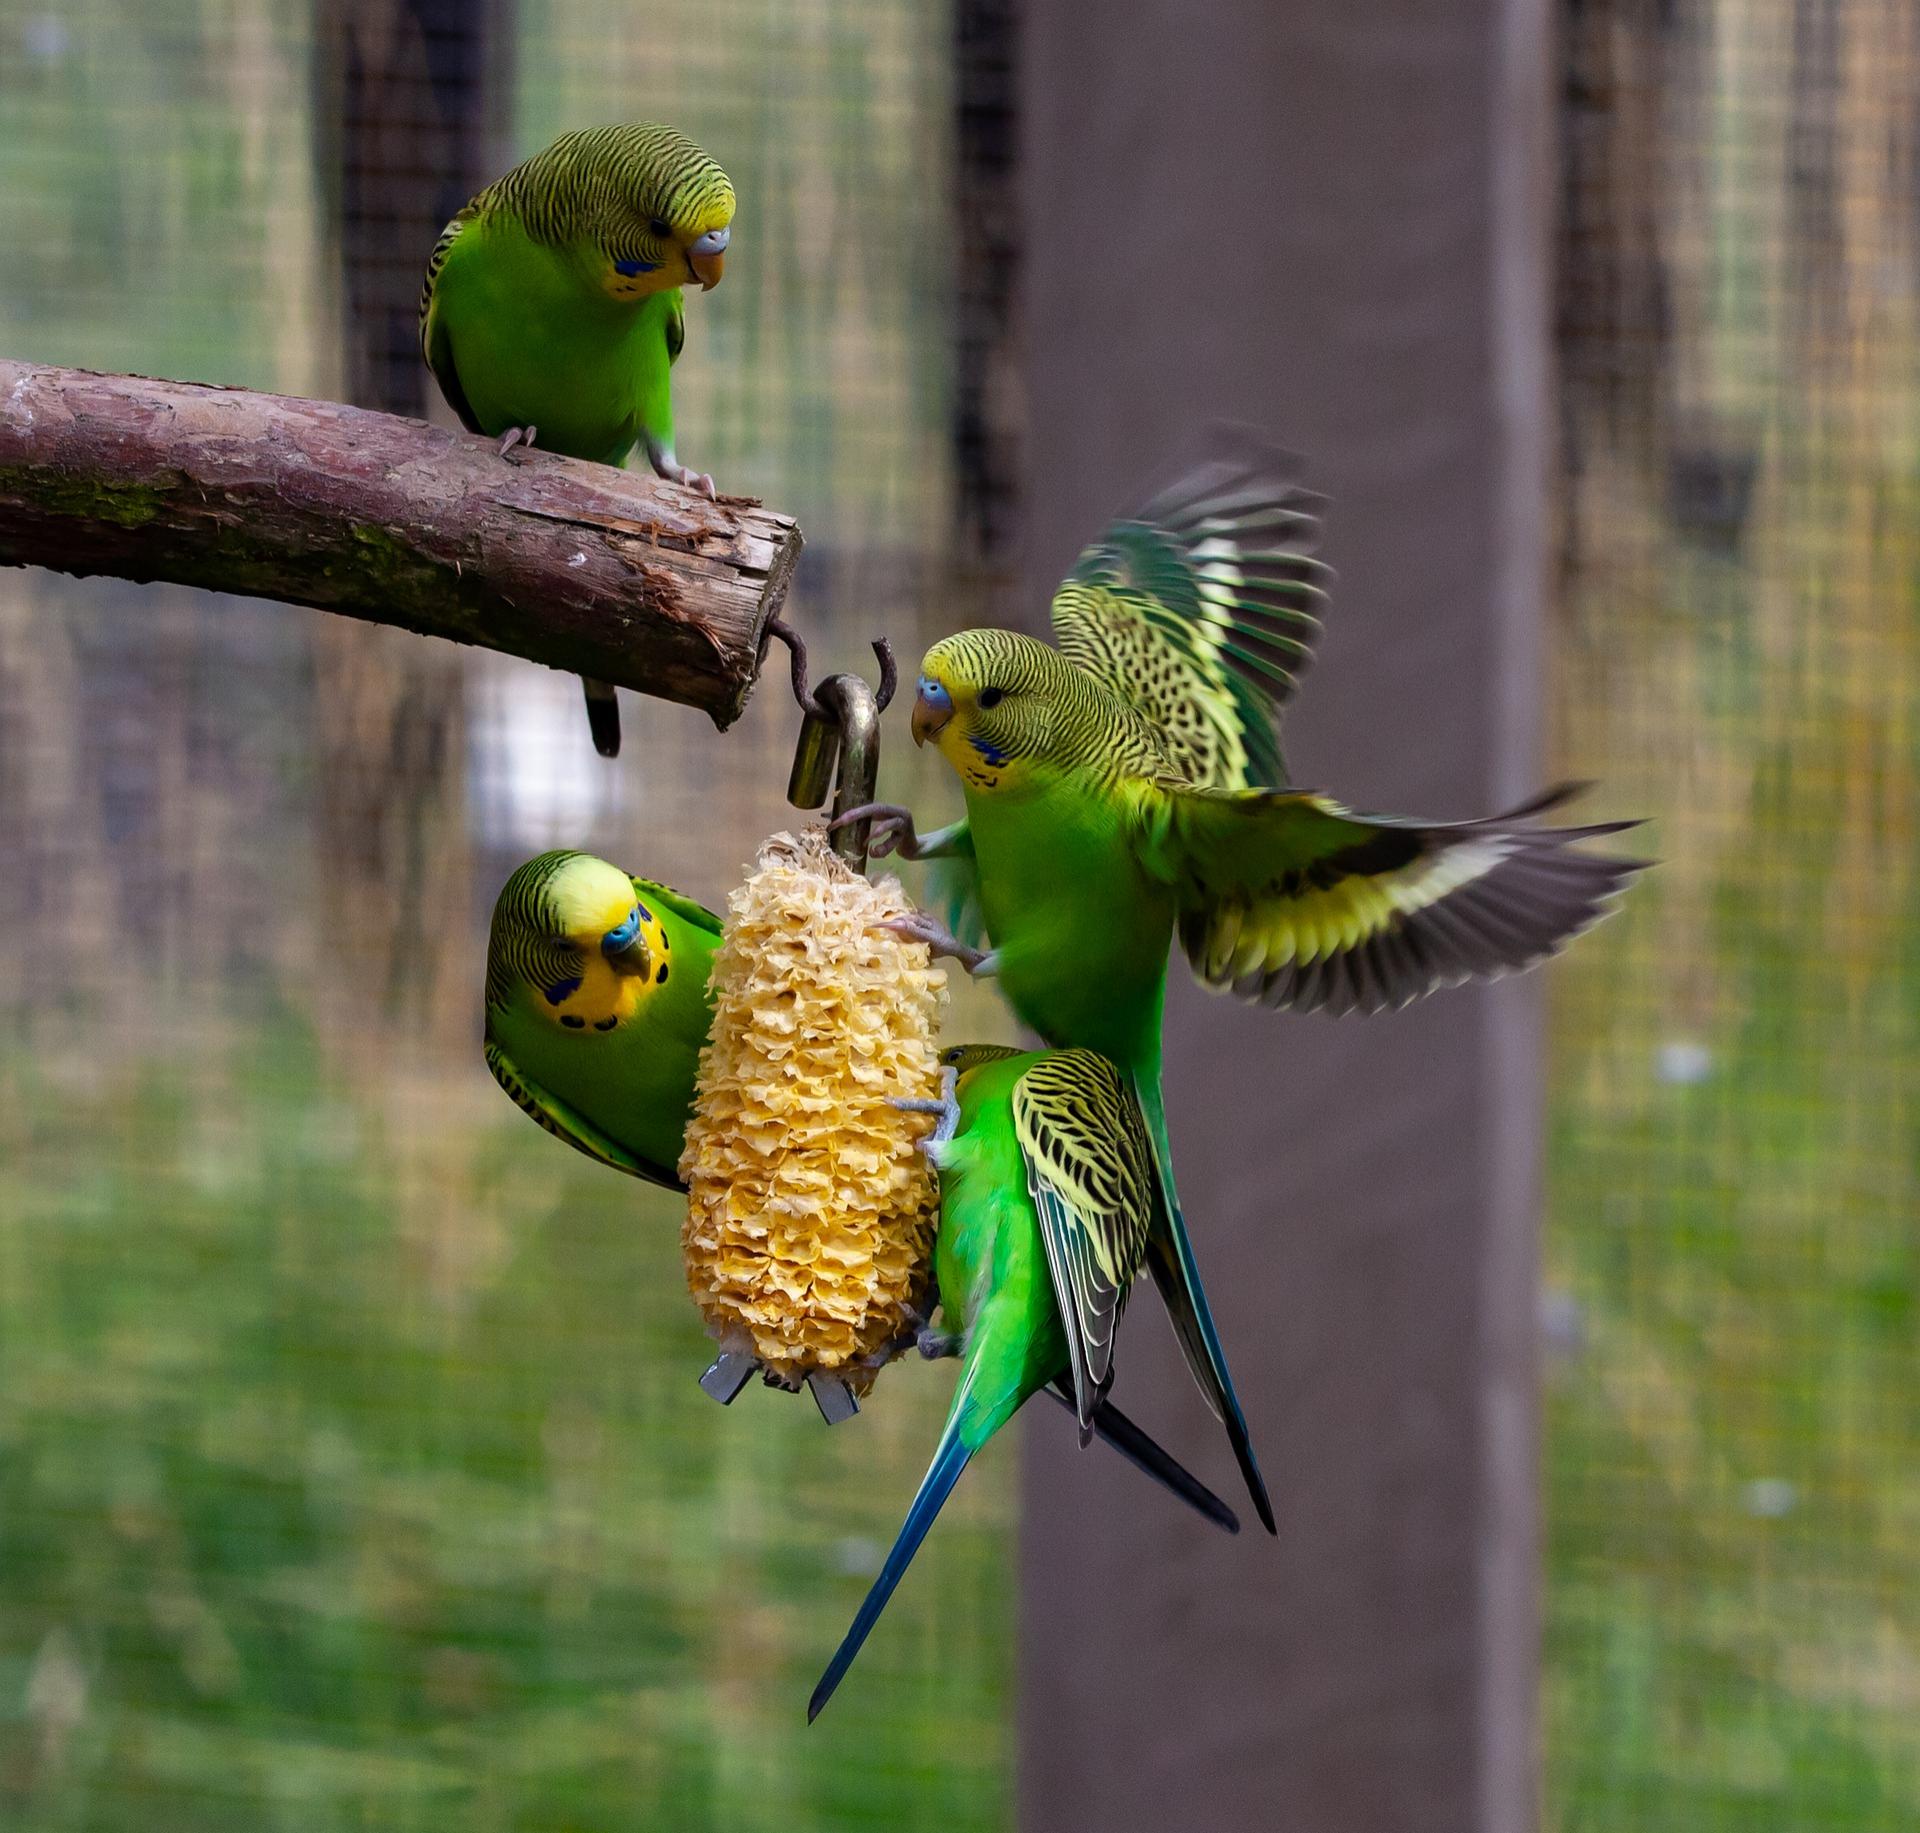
<point x="552" y="309"/>
<point x="1047" y="1195"/>
<point x="1120" y="788"/>
<point x="597" y="1007"/>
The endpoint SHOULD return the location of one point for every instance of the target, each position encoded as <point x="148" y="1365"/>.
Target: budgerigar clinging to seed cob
<point x="1047" y="1195"/>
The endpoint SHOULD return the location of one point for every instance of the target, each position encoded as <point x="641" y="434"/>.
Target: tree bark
<point x="601" y="572"/>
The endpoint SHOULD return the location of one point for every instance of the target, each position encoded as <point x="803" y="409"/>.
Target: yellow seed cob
<point x="810" y="1210"/>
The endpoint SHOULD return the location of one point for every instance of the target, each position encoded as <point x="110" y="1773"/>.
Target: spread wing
<point x="568" y="1123"/>
<point x="435" y="345"/>
<point x="1290" y="900"/>
<point x="1200" y="610"/>
<point x="1089" y="1172"/>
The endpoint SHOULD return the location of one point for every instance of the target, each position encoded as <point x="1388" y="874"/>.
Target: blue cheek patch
<point x="562" y="990"/>
<point x="987" y="749"/>
<point x="632" y="270"/>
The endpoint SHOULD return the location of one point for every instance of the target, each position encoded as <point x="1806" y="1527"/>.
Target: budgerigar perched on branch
<point x="552" y="309"/>
<point x="597" y="1008"/>
<point x="1047" y="1195"/>
<point x="1120" y="789"/>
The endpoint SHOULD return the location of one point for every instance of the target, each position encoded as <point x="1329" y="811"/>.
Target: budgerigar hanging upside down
<point x="1047" y="1193"/>
<point x="552" y="309"/>
<point x="597" y="1008"/>
<point x="1119" y="790"/>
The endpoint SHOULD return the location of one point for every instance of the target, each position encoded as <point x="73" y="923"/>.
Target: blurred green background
<point x="1733" y="1314"/>
<point x="352" y="1473"/>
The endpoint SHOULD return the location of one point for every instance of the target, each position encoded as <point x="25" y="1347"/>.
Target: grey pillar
<point x="1329" y="218"/>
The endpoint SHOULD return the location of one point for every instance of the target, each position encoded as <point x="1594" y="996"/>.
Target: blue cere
<point x="622" y="935"/>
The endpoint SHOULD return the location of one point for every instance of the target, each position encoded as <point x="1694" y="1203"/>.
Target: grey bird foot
<point x="919" y="927"/>
<point x="936" y="1345"/>
<point x="947" y="1107"/>
<point x="517" y="438"/>
<point x="894" y="832"/>
<point x="728" y="1373"/>
<point x="681" y="474"/>
<point x="918" y="1326"/>
<point x="892" y="828"/>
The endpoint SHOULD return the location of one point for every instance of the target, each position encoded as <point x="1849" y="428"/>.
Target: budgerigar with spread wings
<point x="1047" y="1195"/>
<point x="1126" y="786"/>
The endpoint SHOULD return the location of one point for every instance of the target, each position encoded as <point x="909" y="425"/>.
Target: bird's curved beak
<point x="932" y="708"/>
<point x="707" y="255"/>
<point x="625" y="947"/>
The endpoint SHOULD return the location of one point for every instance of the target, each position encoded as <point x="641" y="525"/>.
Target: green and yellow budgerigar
<point x="1047" y="1195"/>
<point x="597" y="1008"/>
<point x="552" y="309"/>
<point x="1122" y="788"/>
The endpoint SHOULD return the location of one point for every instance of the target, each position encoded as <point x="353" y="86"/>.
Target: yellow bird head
<point x="668" y="217"/>
<point x="572" y="941"/>
<point x="994" y="703"/>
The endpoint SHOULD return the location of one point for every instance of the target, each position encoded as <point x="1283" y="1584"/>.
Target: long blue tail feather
<point x="1170" y="1254"/>
<point x="949" y="1459"/>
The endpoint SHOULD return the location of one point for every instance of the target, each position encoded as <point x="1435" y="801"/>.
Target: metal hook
<point x="797" y="651"/>
<point x="797" y="655"/>
<point x="839" y="740"/>
<point x="858" y="710"/>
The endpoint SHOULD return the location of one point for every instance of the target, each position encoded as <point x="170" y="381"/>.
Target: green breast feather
<point x="552" y="300"/>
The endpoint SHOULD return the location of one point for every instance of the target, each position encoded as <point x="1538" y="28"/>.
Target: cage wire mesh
<point x="352" y="1470"/>
<point x="1733" y="1504"/>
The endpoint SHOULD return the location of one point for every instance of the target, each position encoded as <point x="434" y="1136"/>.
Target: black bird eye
<point x="992" y="696"/>
<point x="661" y="227"/>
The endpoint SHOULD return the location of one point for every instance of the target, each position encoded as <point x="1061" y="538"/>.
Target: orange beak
<point x="707" y="256"/>
<point x="932" y="708"/>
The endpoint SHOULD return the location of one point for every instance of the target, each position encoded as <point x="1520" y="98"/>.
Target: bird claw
<point x="936" y="1345"/>
<point x="892" y="828"/>
<point x="516" y="442"/>
<point x="685" y="476"/>
<point x="919" y="1332"/>
<point x="947" y="1107"/>
<point x="919" y="927"/>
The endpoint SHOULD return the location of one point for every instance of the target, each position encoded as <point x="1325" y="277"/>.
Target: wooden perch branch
<point x="606" y="573"/>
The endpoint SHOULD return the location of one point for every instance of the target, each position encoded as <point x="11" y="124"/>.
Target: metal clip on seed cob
<point x="810" y="1210"/>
